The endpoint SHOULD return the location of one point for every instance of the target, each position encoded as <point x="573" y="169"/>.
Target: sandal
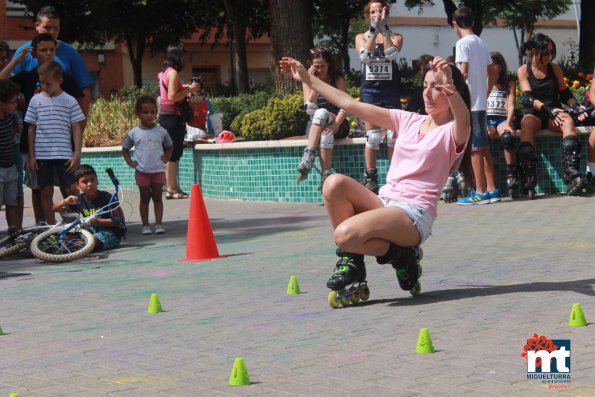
<point x="176" y="195"/>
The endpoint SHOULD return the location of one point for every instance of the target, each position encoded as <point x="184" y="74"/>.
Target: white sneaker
<point x="159" y="229"/>
<point x="146" y="230"/>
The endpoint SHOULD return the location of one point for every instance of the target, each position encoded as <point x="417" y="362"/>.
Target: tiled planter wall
<point x="266" y="171"/>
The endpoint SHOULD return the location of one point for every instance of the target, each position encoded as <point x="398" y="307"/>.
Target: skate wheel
<point x="364" y="292"/>
<point x="332" y="299"/>
<point x="420" y="252"/>
<point x="416" y="290"/>
<point x="345" y="299"/>
<point x="355" y="295"/>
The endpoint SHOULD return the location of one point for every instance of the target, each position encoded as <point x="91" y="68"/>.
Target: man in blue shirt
<point x="48" y="21"/>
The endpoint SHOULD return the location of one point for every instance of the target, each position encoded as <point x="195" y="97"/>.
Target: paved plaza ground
<point x="493" y="276"/>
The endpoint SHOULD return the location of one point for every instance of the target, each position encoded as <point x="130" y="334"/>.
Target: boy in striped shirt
<point x="54" y="125"/>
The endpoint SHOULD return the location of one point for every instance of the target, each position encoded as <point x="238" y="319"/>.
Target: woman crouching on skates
<point x="392" y="225"/>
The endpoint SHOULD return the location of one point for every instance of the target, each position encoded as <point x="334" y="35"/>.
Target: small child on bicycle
<point x="152" y="148"/>
<point x="108" y="229"/>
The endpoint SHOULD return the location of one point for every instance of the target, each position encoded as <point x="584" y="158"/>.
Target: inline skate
<point x="406" y="262"/>
<point x="450" y="191"/>
<point x="350" y="270"/>
<point x="306" y="163"/>
<point x="512" y="182"/>
<point x="571" y="158"/>
<point x="371" y="179"/>
<point x="528" y="163"/>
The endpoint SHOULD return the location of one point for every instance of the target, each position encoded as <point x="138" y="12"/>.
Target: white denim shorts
<point x="422" y="219"/>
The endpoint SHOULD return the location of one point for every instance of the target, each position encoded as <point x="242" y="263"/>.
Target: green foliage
<point x="232" y="107"/>
<point x="280" y="118"/>
<point x="133" y="92"/>
<point x="109" y="120"/>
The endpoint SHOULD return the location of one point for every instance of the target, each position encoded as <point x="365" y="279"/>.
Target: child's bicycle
<point x="17" y="241"/>
<point x="72" y="240"/>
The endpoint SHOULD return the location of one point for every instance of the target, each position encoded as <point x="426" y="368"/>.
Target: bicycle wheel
<point x="9" y="247"/>
<point x="50" y="246"/>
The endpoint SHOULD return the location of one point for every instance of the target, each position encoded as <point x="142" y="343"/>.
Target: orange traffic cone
<point x="200" y="242"/>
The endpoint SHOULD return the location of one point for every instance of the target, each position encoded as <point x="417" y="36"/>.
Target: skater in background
<point x="327" y="121"/>
<point x="473" y="60"/>
<point x="500" y="116"/>
<point x="544" y="91"/>
<point x="378" y="50"/>
<point x="392" y="225"/>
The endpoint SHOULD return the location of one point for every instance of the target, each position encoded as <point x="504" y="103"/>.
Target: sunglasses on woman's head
<point x="319" y="50"/>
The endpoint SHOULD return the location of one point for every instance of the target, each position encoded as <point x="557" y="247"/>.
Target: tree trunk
<point x="291" y="35"/>
<point x="240" y="66"/>
<point x="586" y="49"/>
<point x="136" y="58"/>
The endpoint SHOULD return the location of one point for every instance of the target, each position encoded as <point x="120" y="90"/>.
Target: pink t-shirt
<point x="421" y="163"/>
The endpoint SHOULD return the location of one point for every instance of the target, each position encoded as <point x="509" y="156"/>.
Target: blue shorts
<point x="479" y="130"/>
<point x="421" y="218"/>
<point x="495" y="121"/>
<point x="108" y="238"/>
<point x="387" y="101"/>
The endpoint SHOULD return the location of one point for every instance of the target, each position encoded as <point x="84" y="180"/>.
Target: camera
<point x="196" y="80"/>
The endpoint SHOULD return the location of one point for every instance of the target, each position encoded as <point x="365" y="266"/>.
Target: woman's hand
<point x="295" y="69"/>
<point x="442" y="71"/>
<point x="313" y="71"/>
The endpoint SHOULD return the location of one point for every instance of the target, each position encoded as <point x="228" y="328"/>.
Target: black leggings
<point x="176" y="129"/>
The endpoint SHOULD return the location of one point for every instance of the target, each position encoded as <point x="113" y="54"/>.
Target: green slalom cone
<point x="14" y="395"/>
<point x="239" y="373"/>
<point x="293" y="288"/>
<point x="154" y="305"/>
<point x="1" y="332"/>
<point x="577" y="317"/>
<point x="424" y="342"/>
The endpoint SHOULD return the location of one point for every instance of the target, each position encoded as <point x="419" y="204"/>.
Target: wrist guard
<point x="575" y="111"/>
<point x="548" y="110"/>
<point x="374" y="28"/>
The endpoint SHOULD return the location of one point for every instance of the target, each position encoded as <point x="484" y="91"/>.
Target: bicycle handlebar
<point x="110" y="172"/>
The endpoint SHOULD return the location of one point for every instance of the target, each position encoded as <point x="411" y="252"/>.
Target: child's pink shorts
<point x="148" y="178"/>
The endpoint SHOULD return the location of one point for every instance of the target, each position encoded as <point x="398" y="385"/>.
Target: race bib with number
<point x="497" y="104"/>
<point x="379" y="70"/>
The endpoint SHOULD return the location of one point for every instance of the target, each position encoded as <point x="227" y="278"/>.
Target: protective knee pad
<point x="327" y="141"/>
<point x="322" y="117"/>
<point x="507" y="140"/>
<point x="526" y="152"/>
<point x="374" y="137"/>
<point x="390" y="138"/>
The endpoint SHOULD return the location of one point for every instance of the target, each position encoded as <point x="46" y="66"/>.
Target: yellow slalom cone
<point x="577" y="317"/>
<point x="293" y="288"/>
<point x="424" y="342"/>
<point x="239" y="373"/>
<point x="14" y="395"/>
<point x="154" y="305"/>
